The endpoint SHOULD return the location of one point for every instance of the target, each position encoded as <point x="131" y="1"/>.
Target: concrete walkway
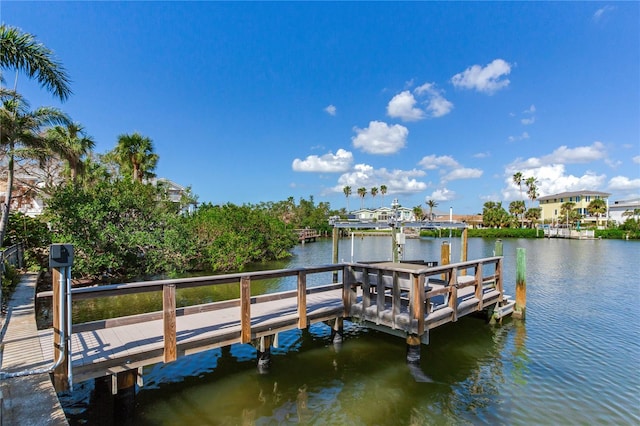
<point x="29" y="400"/>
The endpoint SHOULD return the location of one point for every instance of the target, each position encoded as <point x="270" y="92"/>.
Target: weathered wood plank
<point x="245" y="309"/>
<point x="169" y="322"/>
<point x="302" y="300"/>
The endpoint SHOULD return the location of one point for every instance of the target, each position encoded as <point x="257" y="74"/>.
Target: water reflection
<point x="572" y="361"/>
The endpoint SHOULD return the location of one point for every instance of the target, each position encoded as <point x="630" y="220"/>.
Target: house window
<point x="587" y="198"/>
<point x="578" y="199"/>
<point x="562" y="200"/>
<point x="571" y="199"/>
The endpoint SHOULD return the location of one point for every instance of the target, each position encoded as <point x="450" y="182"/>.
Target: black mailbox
<point x="60" y="255"/>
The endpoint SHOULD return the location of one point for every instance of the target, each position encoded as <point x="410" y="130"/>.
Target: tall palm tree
<point x="22" y="135"/>
<point x="532" y="188"/>
<point x="374" y="192"/>
<point x="383" y="191"/>
<point x="597" y="207"/>
<point x="22" y="52"/>
<point x="418" y="213"/>
<point x="347" y="193"/>
<point x="74" y="144"/>
<point x="517" y="179"/>
<point x="362" y="192"/>
<point x="431" y="204"/>
<point x="134" y="153"/>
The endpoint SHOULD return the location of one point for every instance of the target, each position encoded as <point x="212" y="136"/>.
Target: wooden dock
<point x="307" y="235"/>
<point x="398" y="298"/>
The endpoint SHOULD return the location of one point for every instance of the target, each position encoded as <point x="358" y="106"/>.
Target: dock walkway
<point x="29" y="400"/>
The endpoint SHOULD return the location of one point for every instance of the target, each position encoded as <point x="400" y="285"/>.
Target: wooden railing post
<point x="396" y="299"/>
<point x="380" y="297"/>
<point x="445" y="255"/>
<point x="479" y="286"/>
<point x="366" y="290"/>
<point x="453" y="296"/>
<point x="245" y="309"/>
<point x="60" y="348"/>
<point x="302" y="300"/>
<point x="416" y="298"/>
<point x="499" y="279"/>
<point x="169" y="322"/>
<point x="464" y="249"/>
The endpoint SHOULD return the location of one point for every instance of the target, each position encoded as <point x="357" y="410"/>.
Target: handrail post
<point x="169" y="321"/>
<point x="479" y="286"/>
<point x="416" y="298"/>
<point x="245" y="309"/>
<point x="453" y="295"/>
<point x="302" y="300"/>
<point x="348" y="297"/>
<point x="499" y="279"/>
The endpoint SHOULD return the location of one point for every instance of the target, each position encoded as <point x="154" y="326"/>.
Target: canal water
<point x="575" y="360"/>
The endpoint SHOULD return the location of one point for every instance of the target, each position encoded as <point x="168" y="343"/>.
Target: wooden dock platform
<point x="403" y="299"/>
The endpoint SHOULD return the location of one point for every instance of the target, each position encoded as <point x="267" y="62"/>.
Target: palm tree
<point x="533" y="215"/>
<point x="22" y="52"/>
<point x="374" y="192"/>
<point x="597" y="207"/>
<point x="517" y="209"/>
<point x="566" y="211"/>
<point x="517" y="179"/>
<point x="432" y="204"/>
<point x="532" y="188"/>
<point x="383" y="191"/>
<point x="418" y="213"/>
<point x="134" y="153"/>
<point x="347" y="193"/>
<point x="22" y="136"/>
<point x="74" y="144"/>
<point x="362" y="192"/>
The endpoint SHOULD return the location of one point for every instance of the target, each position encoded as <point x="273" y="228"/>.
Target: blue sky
<point x="250" y="102"/>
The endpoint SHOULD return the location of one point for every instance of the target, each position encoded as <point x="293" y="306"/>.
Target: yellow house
<point x="551" y="205"/>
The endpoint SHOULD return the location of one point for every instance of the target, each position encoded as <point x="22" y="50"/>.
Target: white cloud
<point x="331" y="110"/>
<point x="402" y="106"/>
<point x="397" y="181"/>
<point x="600" y="13"/>
<point x="530" y="110"/>
<point x="636" y="159"/>
<point x="482" y="155"/>
<point x="462" y="173"/>
<point x="442" y="195"/>
<point x="581" y="154"/>
<point x="485" y="80"/>
<point x="523" y="136"/>
<point x="623" y="183"/>
<point x="328" y="163"/>
<point x="431" y="162"/>
<point x="380" y="138"/>
<point x="528" y="121"/>
<point x="550" y="179"/>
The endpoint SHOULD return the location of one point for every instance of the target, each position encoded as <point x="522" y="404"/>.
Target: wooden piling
<point x="413" y="349"/>
<point x="169" y="322"/>
<point x="445" y="255"/>
<point x="264" y="354"/>
<point x="337" y="331"/>
<point x="498" y="248"/>
<point x="464" y="249"/>
<point x="125" y="395"/>
<point x="521" y="284"/>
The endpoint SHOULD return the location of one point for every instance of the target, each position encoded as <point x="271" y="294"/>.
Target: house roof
<point x="573" y="194"/>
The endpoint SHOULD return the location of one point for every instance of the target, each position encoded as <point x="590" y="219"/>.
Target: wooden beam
<point x="302" y="300"/>
<point x="380" y="299"/>
<point x="245" y="309"/>
<point x="479" y="286"/>
<point x="60" y="347"/>
<point x="453" y="297"/>
<point x="169" y="321"/>
<point x="417" y="301"/>
<point x="366" y="289"/>
<point x="396" y="300"/>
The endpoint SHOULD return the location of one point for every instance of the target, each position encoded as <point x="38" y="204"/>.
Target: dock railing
<point x="415" y="298"/>
<point x="170" y="311"/>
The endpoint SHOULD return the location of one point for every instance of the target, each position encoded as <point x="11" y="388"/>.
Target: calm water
<point x="575" y="360"/>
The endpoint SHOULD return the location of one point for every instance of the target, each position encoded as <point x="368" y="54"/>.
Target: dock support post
<point x="521" y="283"/>
<point x="413" y="349"/>
<point x="337" y="331"/>
<point x="498" y="248"/>
<point x="125" y="394"/>
<point x="264" y="354"/>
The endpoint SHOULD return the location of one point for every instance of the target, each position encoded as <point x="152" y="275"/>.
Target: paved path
<point x="29" y="400"/>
